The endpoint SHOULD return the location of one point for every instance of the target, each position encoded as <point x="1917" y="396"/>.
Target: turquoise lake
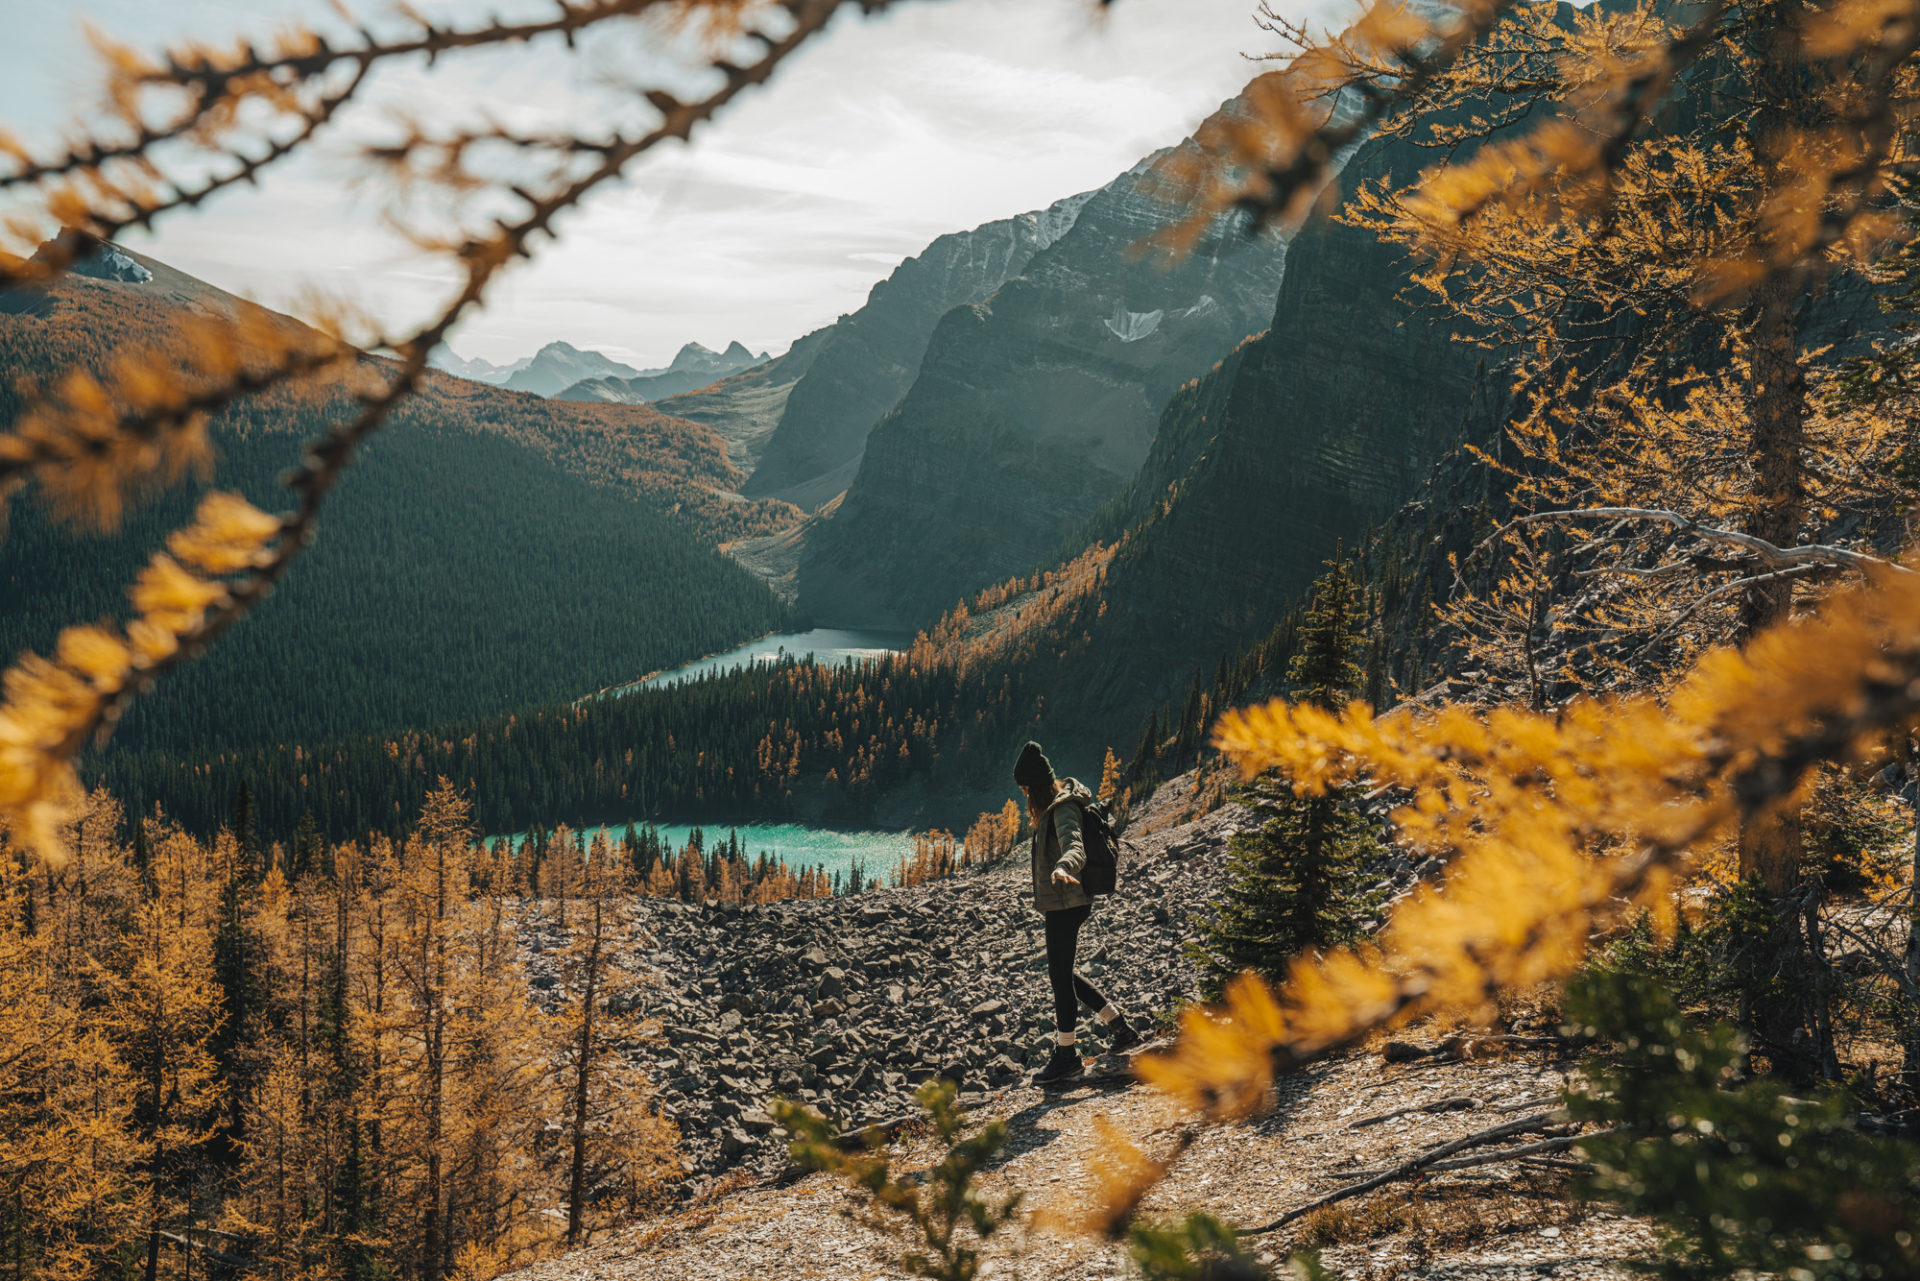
<point x="828" y="645"/>
<point x="799" y="845"/>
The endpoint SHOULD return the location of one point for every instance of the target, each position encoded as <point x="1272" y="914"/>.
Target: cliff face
<point x="1032" y="410"/>
<point x="870" y="357"/>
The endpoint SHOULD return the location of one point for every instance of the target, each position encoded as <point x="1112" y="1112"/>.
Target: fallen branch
<point x="1575" y="1166"/>
<point x="1558" y="1143"/>
<point x="1425" y="1161"/>
<point x="185" y="1243"/>
<point x="1461" y="1104"/>
<point x="1467" y="1046"/>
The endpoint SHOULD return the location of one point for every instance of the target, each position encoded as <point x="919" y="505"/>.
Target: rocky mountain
<point x="552" y="369"/>
<point x="1032" y="408"/>
<point x="870" y="357"/>
<point x="693" y="367"/>
<point x="480" y="370"/>
<point x="1301" y="439"/>
<point x="558" y="365"/>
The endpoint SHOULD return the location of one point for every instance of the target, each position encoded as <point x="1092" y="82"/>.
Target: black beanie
<point x="1032" y="768"/>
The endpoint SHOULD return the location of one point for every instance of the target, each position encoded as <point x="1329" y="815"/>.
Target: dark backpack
<point x="1102" y="871"/>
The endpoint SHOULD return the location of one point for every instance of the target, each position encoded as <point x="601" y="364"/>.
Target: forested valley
<point x="524" y="547"/>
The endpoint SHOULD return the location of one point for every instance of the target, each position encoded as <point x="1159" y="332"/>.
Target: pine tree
<point x="70" y="1154"/>
<point x="309" y="848"/>
<point x="163" y="1016"/>
<point x="239" y="957"/>
<point x="1299" y="880"/>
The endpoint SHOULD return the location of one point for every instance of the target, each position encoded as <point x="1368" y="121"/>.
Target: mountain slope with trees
<point x="504" y="550"/>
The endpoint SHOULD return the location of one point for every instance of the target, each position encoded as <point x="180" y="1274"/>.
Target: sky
<point x="880" y="135"/>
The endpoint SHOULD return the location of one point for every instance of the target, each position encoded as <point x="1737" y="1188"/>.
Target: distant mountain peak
<point x="696" y="365"/>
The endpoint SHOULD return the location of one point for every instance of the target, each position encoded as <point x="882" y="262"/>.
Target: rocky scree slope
<point x="847" y="1004"/>
<point x="1035" y="407"/>
<point x="870" y="357"/>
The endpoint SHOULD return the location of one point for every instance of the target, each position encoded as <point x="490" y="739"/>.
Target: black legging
<point x="1063" y="936"/>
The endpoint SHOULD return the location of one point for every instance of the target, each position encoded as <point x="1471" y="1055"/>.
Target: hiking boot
<point x="1063" y="1066"/>
<point x="1124" y="1038"/>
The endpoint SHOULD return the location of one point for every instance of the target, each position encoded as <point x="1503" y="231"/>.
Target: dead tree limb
<point x="1558" y="1143"/>
<point x="1461" y="1104"/>
<point x="1425" y="1161"/>
<point x="1773" y="554"/>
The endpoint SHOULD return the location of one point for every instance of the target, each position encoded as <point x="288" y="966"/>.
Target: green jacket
<point x="1057" y="843"/>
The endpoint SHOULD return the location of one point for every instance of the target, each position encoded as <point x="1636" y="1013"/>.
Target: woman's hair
<point x="1039" y="796"/>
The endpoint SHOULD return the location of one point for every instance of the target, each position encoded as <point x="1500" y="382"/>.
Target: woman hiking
<point x="1059" y="853"/>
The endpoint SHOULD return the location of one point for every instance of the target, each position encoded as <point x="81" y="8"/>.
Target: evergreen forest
<point x="571" y="568"/>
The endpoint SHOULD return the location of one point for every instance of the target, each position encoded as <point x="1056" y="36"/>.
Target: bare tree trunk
<point x="583" y="1075"/>
<point x="1770" y="844"/>
<point x="1825" y="1045"/>
<point x="1786" y="1018"/>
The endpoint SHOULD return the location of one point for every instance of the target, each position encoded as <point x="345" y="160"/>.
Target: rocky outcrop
<point x="871" y="356"/>
<point x="693" y="368"/>
<point x="109" y="263"/>
<point x="1033" y="409"/>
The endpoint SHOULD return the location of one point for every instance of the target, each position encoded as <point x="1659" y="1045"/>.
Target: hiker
<point x="1059" y="853"/>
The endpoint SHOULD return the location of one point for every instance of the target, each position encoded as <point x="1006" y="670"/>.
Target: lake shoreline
<point x="604" y="691"/>
<point x="826" y="646"/>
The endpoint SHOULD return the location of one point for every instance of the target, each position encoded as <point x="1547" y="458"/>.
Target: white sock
<point x="1063" y="1038"/>
<point x="1110" y="1015"/>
